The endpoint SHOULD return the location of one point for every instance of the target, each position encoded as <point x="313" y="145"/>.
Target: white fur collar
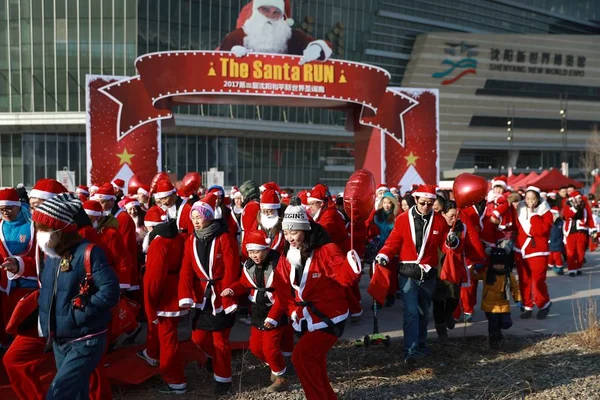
<point x="524" y="214"/>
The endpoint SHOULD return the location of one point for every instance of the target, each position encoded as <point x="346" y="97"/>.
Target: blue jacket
<point x="69" y="323"/>
<point x="556" y="236"/>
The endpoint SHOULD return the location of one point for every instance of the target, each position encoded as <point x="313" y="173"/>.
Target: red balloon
<point x="359" y="195"/>
<point x="158" y="177"/>
<point x="469" y="189"/>
<point x="134" y="184"/>
<point x="190" y="184"/>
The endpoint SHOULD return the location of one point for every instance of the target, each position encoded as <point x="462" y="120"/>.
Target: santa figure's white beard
<point x="264" y="35"/>
<point x="268" y="222"/>
<point x="294" y="257"/>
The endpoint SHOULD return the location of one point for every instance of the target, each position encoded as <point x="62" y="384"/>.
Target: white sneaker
<point x="144" y="356"/>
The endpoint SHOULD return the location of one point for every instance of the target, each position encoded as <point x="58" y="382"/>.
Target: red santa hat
<point x="164" y="188"/>
<point x="128" y="202"/>
<point x="9" y="197"/>
<point x="555" y="210"/>
<point x="284" y="5"/>
<point x="500" y="181"/>
<point x="270" y="186"/>
<point x="206" y="207"/>
<point x="318" y="193"/>
<point x="303" y="196"/>
<point x="269" y="200"/>
<point x="47" y="189"/>
<point x="574" y="194"/>
<point x="118" y="184"/>
<point x="425" y="191"/>
<point x="105" y="192"/>
<point x="383" y="187"/>
<point x="82" y="190"/>
<point x="94" y="188"/>
<point x="257" y="240"/>
<point x="144" y="190"/>
<point x="394" y="189"/>
<point x="155" y="216"/>
<point x="233" y="192"/>
<point x="92" y="208"/>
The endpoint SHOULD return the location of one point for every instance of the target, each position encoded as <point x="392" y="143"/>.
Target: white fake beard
<point x="294" y="257"/>
<point x="43" y="238"/>
<point x="146" y="244"/>
<point x="264" y="35"/>
<point x="269" y="221"/>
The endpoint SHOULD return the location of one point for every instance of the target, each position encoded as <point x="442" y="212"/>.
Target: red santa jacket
<point x="26" y="261"/>
<point x="533" y="230"/>
<point x="118" y="255"/>
<point x="487" y="230"/>
<point x="295" y="45"/>
<point x="457" y="262"/>
<point x="333" y="222"/>
<point x="434" y="238"/>
<point x="584" y="224"/>
<point x="499" y="207"/>
<point x="327" y="272"/>
<point x="128" y="231"/>
<point x="249" y="215"/>
<point x="222" y="270"/>
<point x="161" y="279"/>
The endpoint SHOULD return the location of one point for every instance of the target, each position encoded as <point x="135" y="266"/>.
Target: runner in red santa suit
<point x="579" y="221"/>
<point x="417" y="237"/>
<point x="161" y="279"/>
<point x="326" y="214"/>
<point x="222" y="211"/>
<point x="268" y="322"/>
<point x="108" y="200"/>
<point x="176" y="208"/>
<point x="250" y="201"/>
<point x="268" y="30"/>
<point x="311" y="281"/>
<point x="269" y="219"/>
<point x="534" y="223"/>
<point x="210" y="264"/>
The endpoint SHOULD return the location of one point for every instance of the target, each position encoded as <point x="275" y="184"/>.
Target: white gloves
<point x="239" y="51"/>
<point x="382" y="259"/>
<point x="311" y="53"/>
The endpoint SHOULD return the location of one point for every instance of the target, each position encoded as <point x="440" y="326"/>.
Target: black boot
<point x="526" y="314"/>
<point x="209" y="365"/>
<point x="222" y="388"/>
<point x="442" y="332"/>
<point x="494" y="343"/>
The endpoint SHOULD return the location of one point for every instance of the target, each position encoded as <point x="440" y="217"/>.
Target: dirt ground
<point x="535" y="367"/>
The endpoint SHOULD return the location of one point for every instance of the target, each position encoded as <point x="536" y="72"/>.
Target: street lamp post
<point x="563" y="130"/>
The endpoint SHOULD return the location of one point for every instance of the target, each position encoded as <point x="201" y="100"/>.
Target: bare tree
<point x="590" y="160"/>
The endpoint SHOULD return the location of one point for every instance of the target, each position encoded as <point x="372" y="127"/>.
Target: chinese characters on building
<point x="535" y="62"/>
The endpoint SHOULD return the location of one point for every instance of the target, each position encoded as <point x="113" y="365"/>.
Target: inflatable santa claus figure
<point x="269" y="30"/>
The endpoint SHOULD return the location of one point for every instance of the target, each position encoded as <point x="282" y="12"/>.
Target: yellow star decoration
<point x="125" y="157"/>
<point x="411" y="159"/>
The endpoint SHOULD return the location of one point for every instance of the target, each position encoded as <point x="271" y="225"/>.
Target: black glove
<point x="411" y="270"/>
<point x="452" y="240"/>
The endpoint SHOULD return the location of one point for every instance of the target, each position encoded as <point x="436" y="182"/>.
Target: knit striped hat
<point x="58" y="212"/>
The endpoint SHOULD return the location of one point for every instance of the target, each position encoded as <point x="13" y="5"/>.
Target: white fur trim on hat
<point x="270" y="206"/>
<point x="131" y="204"/>
<point x="93" y="213"/>
<point x="10" y="203"/>
<point x="162" y="195"/>
<point x="269" y="3"/>
<point x="425" y="195"/>
<point x="40" y="194"/>
<point x="82" y="191"/>
<point x="154" y="223"/>
<point x="98" y="196"/>
<point x="314" y="199"/>
<point x="499" y="183"/>
<point x="143" y="191"/>
<point x="533" y="189"/>
<point x="255" y="246"/>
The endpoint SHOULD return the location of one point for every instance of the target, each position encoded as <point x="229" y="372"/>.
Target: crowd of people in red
<point x="294" y="260"/>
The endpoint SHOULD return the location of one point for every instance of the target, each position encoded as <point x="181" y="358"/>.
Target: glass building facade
<point x="48" y="46"/>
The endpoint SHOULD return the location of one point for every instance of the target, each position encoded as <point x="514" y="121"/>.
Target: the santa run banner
<point x="109" y="155"/>
<point x="396" y="131"/>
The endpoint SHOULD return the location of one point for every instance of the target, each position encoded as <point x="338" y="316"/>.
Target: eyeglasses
<point x="426" y="203"/>
<point x="6" y="210"/>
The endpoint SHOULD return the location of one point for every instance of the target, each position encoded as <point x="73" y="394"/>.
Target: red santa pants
<point x="287" y="340"/>
<point x="162" y="344"/>
<point x="353" y="297"/>
<point x="10" y="302"/>
<point x="576" y="244"/>
<point x="468" y="295"/>
<point x="555" y="259"/>
<point x="215" y="345"/>
<point x="23" y="360"/>
<point x="266" y="346"/>
<point x="532" y="281"/>
<point x="310" y="362"/>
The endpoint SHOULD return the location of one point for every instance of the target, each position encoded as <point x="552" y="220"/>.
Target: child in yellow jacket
<point x="500" y="283"/>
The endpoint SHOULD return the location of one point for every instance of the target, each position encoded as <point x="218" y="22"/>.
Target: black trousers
<point x="445" y="299"/>
<point x="497" y="322"/>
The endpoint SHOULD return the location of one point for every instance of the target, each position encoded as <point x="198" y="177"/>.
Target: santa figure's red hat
<point x="164" y="188"/>
<point x="92" y="208"/>
<point x="233" y="191"/>
<point x="269" y="200"/>
<point x="318" y="193"/>
<point x="382" y="188"/>
<point x="105" y="192"/>
<point x="257" y="240"/>
<point x="303" y="196"/>
<point x="118" y="184"/>
<point x="500" y="181"/>
<point x="155" y="216"/>
<point x="47" y="189"/>
<point x="425" y="191"/>
<point x="9" y="197"/>
<point x="284" y="5"/>
<point x="555" y="210"/>
<point x="94" y="188"/>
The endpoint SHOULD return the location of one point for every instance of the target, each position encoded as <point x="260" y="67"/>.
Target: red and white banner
<point x="109" y="154"/>
<point x="410" y="157"/>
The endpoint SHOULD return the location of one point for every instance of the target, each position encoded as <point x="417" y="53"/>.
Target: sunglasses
<point x="426" y="203"/>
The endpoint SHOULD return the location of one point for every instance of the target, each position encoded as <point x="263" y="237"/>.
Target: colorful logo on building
<point x="467" y="65"/>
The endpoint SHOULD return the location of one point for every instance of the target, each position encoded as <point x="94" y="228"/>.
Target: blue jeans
<point x="416" y="296"/>
<point x="75" y="363"/>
